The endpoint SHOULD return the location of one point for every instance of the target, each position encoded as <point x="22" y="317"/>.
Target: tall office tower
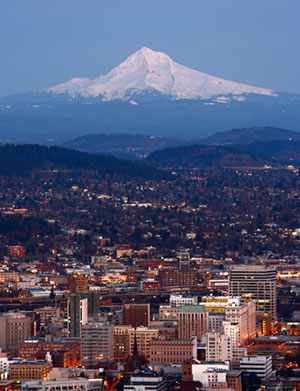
<point x="218" y="347"/>
<point x="192" y="322"/>
<point x="180" y="301"/>
<point x="183" y="260"/>
<point x="121" y="343"/>
<point x="244" y="315"/>
<point x="93" y="299"/>
<point x="78" y="283"/>
<point x="77" y="315"/>
<point x="14" y="329"/>
<point x="136" y="315"/>
<point x="258" y="281"/>
<point x="97" y="343"/>
<point x="143" y="336"/>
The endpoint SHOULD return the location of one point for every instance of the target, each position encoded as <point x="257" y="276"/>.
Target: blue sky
<point x="45" y="42"/>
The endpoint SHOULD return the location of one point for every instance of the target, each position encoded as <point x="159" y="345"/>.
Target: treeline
<point x="22" y="228"/>
<point x="23" y="160"/>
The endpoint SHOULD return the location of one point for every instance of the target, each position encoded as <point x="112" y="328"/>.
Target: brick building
<point x="136" y="315"/>
<point x="172" y="351"/>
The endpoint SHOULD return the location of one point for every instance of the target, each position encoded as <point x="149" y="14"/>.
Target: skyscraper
<point x="192" y="321"/>
<point x="77" y="315"/>
<point x="259" y="282"/>
<point x="97" y="343"/>
<point x="14" y="328"/>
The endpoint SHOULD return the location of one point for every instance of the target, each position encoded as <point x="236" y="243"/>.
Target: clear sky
<point x="46" y="42"/>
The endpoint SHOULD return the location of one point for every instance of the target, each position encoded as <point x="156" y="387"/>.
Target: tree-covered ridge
<point x="22" y="160"/>
<point x="204" y="156"/>
<point x="277" y="150"/>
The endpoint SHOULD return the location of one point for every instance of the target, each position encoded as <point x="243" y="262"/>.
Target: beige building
<point x="243" y="315"/>
<point x="257" y="281"/>
<point x="14" y="329"/>
<point x="192" y="322"/>
<point x="144" y="335"/>
<point x="29" y="370"/>
<point x="166" y="312"/>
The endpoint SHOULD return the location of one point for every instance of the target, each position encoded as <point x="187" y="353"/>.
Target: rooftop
<point x="193" y="308"/>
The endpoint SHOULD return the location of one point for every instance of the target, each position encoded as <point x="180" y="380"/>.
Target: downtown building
<point x="172" y="351"/>
<point x="192" y="322"/>
<point x="97" y="343"/>
<point x="257" y="281"/>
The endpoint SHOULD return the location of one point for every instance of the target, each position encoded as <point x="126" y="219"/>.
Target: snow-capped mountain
<point x="147" y="71"/>
<point x="148" y="94"/>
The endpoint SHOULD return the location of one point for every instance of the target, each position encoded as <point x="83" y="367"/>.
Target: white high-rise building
<point x="243" y="314"/>
<point x="232" y="330"/>
<point x="218" y="347"/>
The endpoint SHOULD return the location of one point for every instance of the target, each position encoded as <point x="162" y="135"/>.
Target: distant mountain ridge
<point x="251" y="135"/>
<point x="137" y="146"/>
<point x="129" y="146"/>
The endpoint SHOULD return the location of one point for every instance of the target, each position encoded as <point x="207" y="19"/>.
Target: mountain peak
<point x="149" y="71"/>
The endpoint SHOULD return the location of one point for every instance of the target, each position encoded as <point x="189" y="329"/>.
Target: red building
<point x="150" y="285"/>
<point x="136" y="315"/>
<point x="64" y="352"/>
<point x="6" y="386"/>
<point x="16" y="251"/>
<point x="178" y="277"/>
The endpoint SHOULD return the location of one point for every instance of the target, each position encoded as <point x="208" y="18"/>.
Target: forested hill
<point x="22" y="160"/>
<point x="198" y="156"/>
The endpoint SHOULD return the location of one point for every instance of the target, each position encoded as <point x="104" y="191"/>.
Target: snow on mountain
<point x="155" y="72"/>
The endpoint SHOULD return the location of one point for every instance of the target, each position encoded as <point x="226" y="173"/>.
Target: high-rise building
<point x="77" y="315"/>
<point x="97" y="343"/>
<point x="93" y="299"/>
<point x="78" y="283"/>
<point x="192" y="322"/>
<point x="14" y="329"/>
<point x="244" y="315"/>
<point x="232" y="330"/>
<point x="143" y="337"/>
<point x="257" y="281"/>
<point x="121" y="342"/>
<point x="136" y="315"/>
<point x="218" y="347"/>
